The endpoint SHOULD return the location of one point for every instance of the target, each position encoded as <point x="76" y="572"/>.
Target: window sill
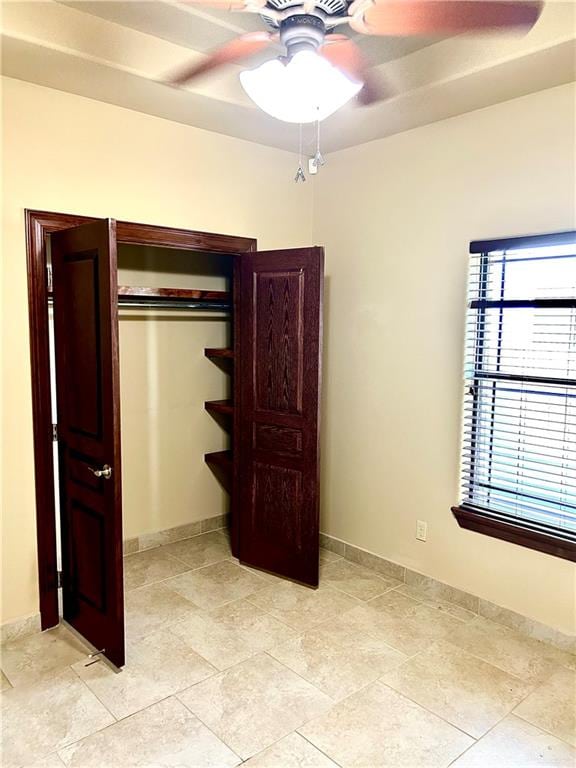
<point x="526" y="535"/>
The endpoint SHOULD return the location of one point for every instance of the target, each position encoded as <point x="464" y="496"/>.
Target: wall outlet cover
<point x="421" y="530"/>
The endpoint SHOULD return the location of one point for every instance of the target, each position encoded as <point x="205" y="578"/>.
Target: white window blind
<point x="519" y="442"/>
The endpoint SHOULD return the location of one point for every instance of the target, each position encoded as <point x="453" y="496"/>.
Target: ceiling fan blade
<point x="229" y="5"/>
<point x="343" y="53"/>
<point x="441" y="17"/>
<point x="240" y="48"/>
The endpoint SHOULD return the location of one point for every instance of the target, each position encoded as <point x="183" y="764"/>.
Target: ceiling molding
<point x="119" y="51"/>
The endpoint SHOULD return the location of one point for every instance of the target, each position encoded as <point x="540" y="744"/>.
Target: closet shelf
<point x="220" y="459"/>
<point x="145" y="292"/>
<point x="171" y="298"/>
<point x="226" y="353"/>
<point x="221" y="463"/>
<point x="220" y="406"/>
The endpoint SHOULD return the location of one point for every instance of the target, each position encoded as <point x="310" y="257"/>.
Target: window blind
<point x="519" y="442"/>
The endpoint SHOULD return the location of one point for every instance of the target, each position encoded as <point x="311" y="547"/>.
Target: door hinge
<point x="55" y="432"/>
<point x="59" y="579"/>
<point x="49" y="277"/>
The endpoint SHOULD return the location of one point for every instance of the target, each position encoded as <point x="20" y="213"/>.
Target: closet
<point x="267" y="404"/>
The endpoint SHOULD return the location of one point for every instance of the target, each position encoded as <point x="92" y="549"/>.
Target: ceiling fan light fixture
<point x="306" y="89"/>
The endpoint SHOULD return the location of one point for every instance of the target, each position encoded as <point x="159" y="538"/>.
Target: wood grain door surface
<point x="88" y="403"/>
<point x="277" y="445"/>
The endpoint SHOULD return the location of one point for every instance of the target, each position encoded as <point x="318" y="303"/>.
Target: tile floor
<point x="229" y="666"/>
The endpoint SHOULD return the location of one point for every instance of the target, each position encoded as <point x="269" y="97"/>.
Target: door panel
<point x="277" y="434"/>
<point x="88" y="398"/>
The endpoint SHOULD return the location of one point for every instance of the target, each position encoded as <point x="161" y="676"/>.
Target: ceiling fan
<point x="321" y="69"/>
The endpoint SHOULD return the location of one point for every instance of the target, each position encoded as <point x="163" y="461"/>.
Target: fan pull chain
<point x="318" y="159"/>
<point x="300" y="172"/>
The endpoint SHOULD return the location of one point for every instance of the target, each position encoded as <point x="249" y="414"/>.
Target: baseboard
<point x="18" y="628"/>
<point x="169" y="535"/>
<point x="28" y="625"/>
<point x="440" y="591"/>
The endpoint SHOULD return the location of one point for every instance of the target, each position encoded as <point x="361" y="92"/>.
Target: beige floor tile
<point x="514" y="743"/>
<point x="292" y="751"/>
<point x="464" y="690"/>
<point x="4" y="682"/>
<point x="378" y="727"/>
<point x="26" y="660"/>
<point x="429" y="622"/>
<point x="410" y="623"/>
<point x="450" y="608"/>
<point x="150" y="566"/>
<point x="232" y="633"/>
<point x="354" y="580"/>
<point x="328" y="557"/>
<point x="156" y="667"/>
<point x="515" y="653"/>
<point x="50" y="761"/>
<point x="201" y="550"/>
<point x="166" y="735"/>
<point x="395" y="603"/>
<point x="253" y="704"/>
<point x="552" y="706"/>
<point x="382" y="627"/>
<point x="336" y="662"/>
<point x="216" y="584"/>
<point x="301" y="607"/>
<point x="39" y="719"/>
<point x="149" y="608"/>
<point x="268" y="577"/>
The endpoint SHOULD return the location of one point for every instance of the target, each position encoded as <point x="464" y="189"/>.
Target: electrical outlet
<point x="421" y="530"/>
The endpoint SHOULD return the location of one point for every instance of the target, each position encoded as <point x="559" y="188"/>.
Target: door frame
<point x="38" y="225"/>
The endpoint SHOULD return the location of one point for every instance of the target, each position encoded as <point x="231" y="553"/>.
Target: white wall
<point x="66" y="153"/>
<point x="396" y="216"/>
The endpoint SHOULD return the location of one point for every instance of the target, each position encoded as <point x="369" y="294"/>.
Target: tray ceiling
<point x="118" y="52"/>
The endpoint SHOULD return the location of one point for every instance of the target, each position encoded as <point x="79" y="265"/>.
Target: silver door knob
<point x="105" y="472"/>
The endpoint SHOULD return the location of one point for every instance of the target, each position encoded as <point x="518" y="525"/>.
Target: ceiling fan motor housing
<point x="302" y="32"/>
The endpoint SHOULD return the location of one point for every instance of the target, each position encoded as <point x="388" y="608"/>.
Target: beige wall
<point x="164" y="381"/>
<point x="66" y="153"/>
<point x="396" y="217"/>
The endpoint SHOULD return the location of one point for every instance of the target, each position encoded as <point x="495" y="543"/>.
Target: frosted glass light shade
<point x="306" y="89"/>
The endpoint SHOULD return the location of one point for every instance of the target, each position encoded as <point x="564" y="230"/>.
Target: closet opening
<point x="176" y="391"/>
<point x="187" y="383"/>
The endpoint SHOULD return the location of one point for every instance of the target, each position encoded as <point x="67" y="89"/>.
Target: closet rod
<point x="204" y="305"/>
<point x="207" y="305"/>
<point x="145" y="297"/>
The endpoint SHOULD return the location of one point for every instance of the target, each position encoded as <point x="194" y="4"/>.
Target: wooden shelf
<point x="220" y="459"/>
<point x="221" y="464"/>
<point x="219" y="353"/>
<point x="183" y="294"/>
<point x="220" y="406"/>
<point x="171" y="298"/>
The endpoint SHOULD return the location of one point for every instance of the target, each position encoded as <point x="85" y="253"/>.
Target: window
<point x="519" y="441"/>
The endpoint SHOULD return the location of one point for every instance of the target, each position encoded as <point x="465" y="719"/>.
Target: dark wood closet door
<point x="279" y="395"/>
<point x="88" y="395"/>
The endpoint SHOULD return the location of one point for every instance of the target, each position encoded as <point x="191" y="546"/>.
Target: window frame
<point x="498" y="524"/>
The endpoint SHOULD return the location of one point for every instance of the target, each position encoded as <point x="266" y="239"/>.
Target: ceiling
<point x="119" y="51"/>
